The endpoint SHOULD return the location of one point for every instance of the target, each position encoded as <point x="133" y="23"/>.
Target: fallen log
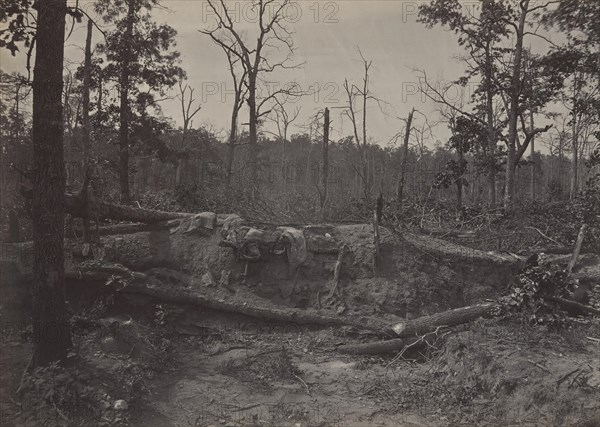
<point x="458" y="316"/>
<point x="76" y="206"/>
<point x="446" y="250"/>
<point x="581" y="308"/>
<point x="142" y="284"/>
<point x="121" y="229"/>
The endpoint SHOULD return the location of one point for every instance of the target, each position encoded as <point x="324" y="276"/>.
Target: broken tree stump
<point x="577" y="249"/>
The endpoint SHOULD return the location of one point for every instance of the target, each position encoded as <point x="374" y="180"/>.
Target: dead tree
<point x="273" y="40"/>
<point x="402" y="172"/>
<point x="188" y="111"/>
<point x="238" y="102"/>
<point x="282" y="120"/>
<point x="363" y="95"/>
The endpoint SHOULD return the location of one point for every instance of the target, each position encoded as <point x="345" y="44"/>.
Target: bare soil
<point x="186" y="366"/>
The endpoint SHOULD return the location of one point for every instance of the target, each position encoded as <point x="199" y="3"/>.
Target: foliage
<point x="536" y="281"/>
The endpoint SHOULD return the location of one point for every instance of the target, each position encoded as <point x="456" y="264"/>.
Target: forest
<point x="194" y="232"/>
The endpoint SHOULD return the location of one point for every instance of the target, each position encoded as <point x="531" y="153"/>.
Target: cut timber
<point x="77" y="207"/>
<point x="447" y="318"/>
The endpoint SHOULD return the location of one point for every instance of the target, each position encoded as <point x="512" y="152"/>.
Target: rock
<point x="120" y="405"/>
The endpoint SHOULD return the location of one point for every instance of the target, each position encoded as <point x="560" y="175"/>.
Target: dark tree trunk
<point x="87" y="76"/>
<point x="325" y="152"/>
<point x="124" y="110"/>
<point x="515" y="90"/>
<point x="459" y="181"/>
<point x="532" y="161"/>
<point x="575" y="148"/>
<point x="491" y="134"/>
<point x="50" y="323"/>
<point x="232" y="139"/>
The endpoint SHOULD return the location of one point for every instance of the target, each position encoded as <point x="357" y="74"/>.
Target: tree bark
<point x="50" y="324"/>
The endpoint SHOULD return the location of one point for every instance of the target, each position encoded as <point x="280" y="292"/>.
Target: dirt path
<point x="493" y="376"/>
<point x="267" y="385"/>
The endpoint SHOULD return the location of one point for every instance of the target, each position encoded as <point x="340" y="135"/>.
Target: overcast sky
<point x="327" y="35"/>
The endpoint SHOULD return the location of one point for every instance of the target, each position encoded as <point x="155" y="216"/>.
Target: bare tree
<point x="402" y="172"/>
<point x="273" y="50"/>
<point x="188" y="111"/>
<point x="240" y="92"/>
<point x="360" y="95"/>
<point x="282" y="120"/>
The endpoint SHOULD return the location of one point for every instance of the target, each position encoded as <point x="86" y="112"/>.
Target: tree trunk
<point x="491" y="134"/>
<point x="232" y="141"/>
<point x="402" y="174"/>
<point x="458" y="316"/>
<point x="514" y="110"/>
<point x="575" y="149"/>
<point x="124" y="109"/>
<point x="532" y="159"/>
<point x="87" y="77"/>
<point x="253" y="134"/>
<point x="50" y="323"/>
<point x="459" y="182"/>
<point x="325" y="172"/>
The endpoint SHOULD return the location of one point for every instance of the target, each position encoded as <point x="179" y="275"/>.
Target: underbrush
<point x="499" y="372"/>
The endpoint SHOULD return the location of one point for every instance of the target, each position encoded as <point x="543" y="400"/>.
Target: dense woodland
<point x="87" y="132"/>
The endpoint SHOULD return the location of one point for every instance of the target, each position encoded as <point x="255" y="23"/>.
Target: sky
<point x="327" y="36"/>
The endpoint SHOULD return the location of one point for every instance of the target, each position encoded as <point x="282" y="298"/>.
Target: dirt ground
<point x="143" y="362"/>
